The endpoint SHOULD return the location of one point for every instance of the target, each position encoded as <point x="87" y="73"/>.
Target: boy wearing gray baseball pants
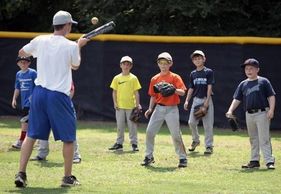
<point x="125" y="95"/>
<point x="201" y="83"/>
<point x="166" y="109"/>
<point x="258" y="96"/>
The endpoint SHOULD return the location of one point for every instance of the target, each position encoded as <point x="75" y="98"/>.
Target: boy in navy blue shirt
<point x="24" y="85"/>
<point x="200" y="86"/>
<point x="258" y="97"/>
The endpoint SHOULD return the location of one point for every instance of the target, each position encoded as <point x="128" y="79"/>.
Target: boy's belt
<point x="251" y="111"/>
<point x="165" y="104"/>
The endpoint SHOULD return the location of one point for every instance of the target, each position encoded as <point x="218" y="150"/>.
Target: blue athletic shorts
<point x="51" y="110"/>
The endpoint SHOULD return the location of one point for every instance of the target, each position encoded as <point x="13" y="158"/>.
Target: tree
<point x="162" y="17"/>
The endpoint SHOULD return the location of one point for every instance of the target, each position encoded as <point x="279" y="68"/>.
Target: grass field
<point x="102" y="171"/>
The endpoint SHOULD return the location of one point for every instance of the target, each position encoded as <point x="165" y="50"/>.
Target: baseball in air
<point x="94" y="20"/>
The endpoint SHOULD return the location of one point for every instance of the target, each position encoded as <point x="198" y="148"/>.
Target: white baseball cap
<point x="126" y="58"/>
<point x="63" y="17"/>
<point x="166" y="56"/>
<point x="197" y="52"/>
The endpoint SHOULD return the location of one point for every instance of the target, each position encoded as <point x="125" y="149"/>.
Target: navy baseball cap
<point x="23" y="58"/>
<point x="252" y="62"/>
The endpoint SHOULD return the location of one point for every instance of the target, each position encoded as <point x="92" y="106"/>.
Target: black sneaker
<point x="116" y="146"/>
<point x="147" y="161"/>
<point x="37" y="158"/>
<point x="20" y="179"/>
<point x="193" y="145"/>
<point x="69" y="181"/>
<point x="209" y="150"/>
<point x="270" y="166"/>
<point x="135" y="147"/>
<point x="182" y="163"/>
<point x="252" y="164"/>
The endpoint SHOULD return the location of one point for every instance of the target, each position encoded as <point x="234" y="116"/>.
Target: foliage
<point x="102" y="171"/>
<point x="162" y="17"/>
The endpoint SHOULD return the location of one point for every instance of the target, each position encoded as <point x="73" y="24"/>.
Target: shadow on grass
<point x="161" y="169"/>
<point x="120" y="152"/>
<point x="251" y="170"/>
<point x="254" y="170"/>
<point x="11" y="149"/>
<point x="198" y="154"/>
<point x="47" y="164"/>
<point x="40" y="190"/>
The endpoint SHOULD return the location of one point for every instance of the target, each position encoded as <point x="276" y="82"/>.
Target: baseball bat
<point x="100" y="30"/>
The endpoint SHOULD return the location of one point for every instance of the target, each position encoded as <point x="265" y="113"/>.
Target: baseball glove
<point x="135" y="114"/>
<point x="164" y="88"/>
<point x="233" y="122"/>
<point x="200" y="111"/>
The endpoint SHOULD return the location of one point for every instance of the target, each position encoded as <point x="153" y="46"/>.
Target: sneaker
<point x="69" y="181"/>
<point x="193" y="146"/>
<point x="182" y="163"/>
<point x="20" y="179"/>
<point x="270" y="165"/>
<point x="76" y="160"/>
<point x="252" y="164"/>
<point x="147" y="161"/>
<point x="135" y="147"/>
<point x="116" y="146"/>
<point x="37" y="158"/>
<point x="17" y="144"/>
<point x="209" y="150"/>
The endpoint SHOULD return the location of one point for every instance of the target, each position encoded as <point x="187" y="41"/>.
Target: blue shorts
<point x="51" y="110"/>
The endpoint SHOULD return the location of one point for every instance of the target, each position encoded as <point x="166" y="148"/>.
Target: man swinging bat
<point x="51" y="106"/>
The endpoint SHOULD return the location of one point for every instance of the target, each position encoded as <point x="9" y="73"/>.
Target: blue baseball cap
<point x="252" y="62"/>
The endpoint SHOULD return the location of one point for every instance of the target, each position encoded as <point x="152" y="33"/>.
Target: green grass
<point x="102" y="171"/>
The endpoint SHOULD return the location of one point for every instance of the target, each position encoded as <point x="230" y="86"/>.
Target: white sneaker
<point x="76" y="160"/>
<point x="270" y="165"/>
<point x="17" y="144"/>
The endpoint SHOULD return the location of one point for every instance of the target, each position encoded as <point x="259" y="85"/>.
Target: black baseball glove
<point x="200" y="111"/>
<point x="164" y="88"/>
<point x="135" y="114"/>
<point x="233" y="122"/>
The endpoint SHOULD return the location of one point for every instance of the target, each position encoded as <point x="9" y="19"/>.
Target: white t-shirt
<point x="55" y="54"/>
